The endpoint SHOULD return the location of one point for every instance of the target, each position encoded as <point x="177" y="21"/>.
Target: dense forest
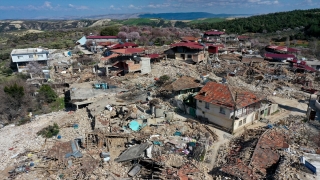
<point x="188" y="15"/>
<point x="309" y="20"/>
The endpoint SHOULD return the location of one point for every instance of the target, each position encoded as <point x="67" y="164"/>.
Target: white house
<point x="23" y="56"/>
<point x="218" y="102"/>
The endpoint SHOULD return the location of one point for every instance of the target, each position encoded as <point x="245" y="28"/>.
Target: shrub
<point x="49" y="131"/>
<point x="24" y="120"/>
<point x="15" y="91"/>
<point x="163" y="79"/>
<point x="47" y="93"/>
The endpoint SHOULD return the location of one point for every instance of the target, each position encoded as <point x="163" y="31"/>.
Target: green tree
<point x="47" y="93"/>
<point x="49" y="131"/>
<point x="110" y="31"/>
<point x="15" y="91"/>
<point x="163" y="79"/>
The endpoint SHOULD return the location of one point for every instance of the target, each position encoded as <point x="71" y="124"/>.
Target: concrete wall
<point x="244" y="121"/>
<point x="198" y="58"/>
<point x="29" y="57"/>
<point x="23" y="66"/>
<point x="145" y="65"/>
<point x="225" y="120"/>
<point x="132" y="67"/>
<point x="192" y="56"/>
<point x="213" y="114"/>
<point x="273" y="108"/>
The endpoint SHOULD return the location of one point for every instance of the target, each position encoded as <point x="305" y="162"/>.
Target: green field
<point x="207" y="20"/>
<point x="137" y="21"/>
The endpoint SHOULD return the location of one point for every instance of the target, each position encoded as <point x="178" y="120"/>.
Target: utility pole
<point x="308" y="105"/>
<point x="234" y="113"/>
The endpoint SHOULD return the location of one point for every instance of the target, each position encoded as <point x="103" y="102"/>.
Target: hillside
<point x="309" y="20"/>
<point x="10" y="25"/>
<point x="188" y="15"/>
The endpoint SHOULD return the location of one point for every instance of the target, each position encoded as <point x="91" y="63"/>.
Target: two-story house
<point x="213" y="36"/>
<point x="218" y="102"/>
<point x="24" y="56"/>
<point x="186" y="50"/>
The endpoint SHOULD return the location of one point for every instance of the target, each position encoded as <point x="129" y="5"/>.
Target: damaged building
<point x="220" y="102"/>
<point x="186" y="50"/>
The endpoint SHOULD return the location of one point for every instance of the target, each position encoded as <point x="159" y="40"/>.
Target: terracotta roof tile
<point x="214" y="32"/>
<point x="188" y="44"/>
<point x="128" y="50"/>
<point x="224" y="95"/>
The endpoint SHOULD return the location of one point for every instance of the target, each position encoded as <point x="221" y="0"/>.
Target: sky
<point x="29" y="9"/>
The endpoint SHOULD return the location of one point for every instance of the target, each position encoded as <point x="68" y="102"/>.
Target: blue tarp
<point x="134" y="125"/>
<point x="177" y="133"/>
<point x="311" y="167"/>
<point x="270" y="126"/>
<point x="82" y="41"/>
<point x="75" y="151"/>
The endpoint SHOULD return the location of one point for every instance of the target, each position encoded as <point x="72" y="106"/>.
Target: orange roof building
<point x="217" y="103"/>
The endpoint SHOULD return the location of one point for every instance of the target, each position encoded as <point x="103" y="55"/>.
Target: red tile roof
<point x="280" y="56"/>
<point x="124" y="45"/>
<point x="265" y="154"/>
<point x="190" y="38"/>
<point x="214" y="32"/>
<point x="243" y="37"/>
<point x="224" y="95"/>
<point x="109" y="57"/>
<point x="152" y="56"/>
<point x="188" y="44"/>
<point x="215" y="45"/>
<point x="128" y="51"/>
<point x="104" y="43"/>
<point x="102" y="37"/>
<point x="282" y="48"/>
<point x="304" y="67"/>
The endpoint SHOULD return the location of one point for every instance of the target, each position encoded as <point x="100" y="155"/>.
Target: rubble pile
<point x="119" y="141"/>
<point x="124" y="127"/>
<point x="271" y="152"/>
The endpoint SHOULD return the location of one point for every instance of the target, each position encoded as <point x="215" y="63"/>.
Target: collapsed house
<point x="183" y="91"/>
<point x="186" y="50"/>
<point x="128" y="60"/>
<point x="213" y="36"/>
<point x="246" y="162"/>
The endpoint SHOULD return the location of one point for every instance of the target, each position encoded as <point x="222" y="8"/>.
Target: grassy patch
<point x="275" y="112"/>
<point x="58" y="104"/>
<point x="136" y="21"/>
<point x="207" y="20"/>
<point x="305" y="120"/>
<point x="203" y="154"/>
<point x="49" y="131"/>
<point x="23" y="120"/>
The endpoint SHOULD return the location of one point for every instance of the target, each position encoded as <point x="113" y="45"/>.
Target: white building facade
<point x="24" y="56"/>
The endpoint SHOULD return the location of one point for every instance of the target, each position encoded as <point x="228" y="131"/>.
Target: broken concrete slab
<point x="132" y="153"/>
